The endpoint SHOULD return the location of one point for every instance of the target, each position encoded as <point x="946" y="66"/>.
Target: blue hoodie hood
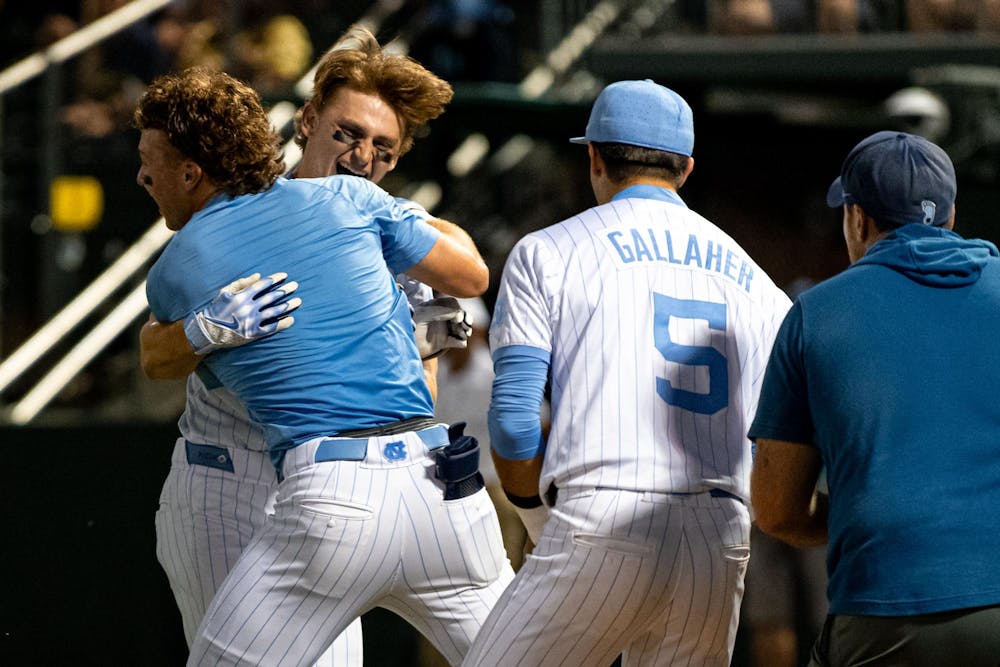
<point x="931" y="256"/>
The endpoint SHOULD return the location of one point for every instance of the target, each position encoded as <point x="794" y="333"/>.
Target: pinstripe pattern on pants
<point x="347" y="536"/>
<point x="206" y="518"/>
<point x="655" y="577"/>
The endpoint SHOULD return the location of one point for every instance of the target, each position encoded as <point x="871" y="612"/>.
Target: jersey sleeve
<point x="158" y="294"/>
<point x="175" y="285"/>
<point x="525" y="311"/>
<point x="406" y="236"/>
<point x="414" y="207"/>
<point x="783" y="408"/>
<point x="518" y="390"/>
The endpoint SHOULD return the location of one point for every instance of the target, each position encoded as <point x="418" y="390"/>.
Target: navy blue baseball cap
<point x="897" y="178"/>
<point x="641" y="113"/>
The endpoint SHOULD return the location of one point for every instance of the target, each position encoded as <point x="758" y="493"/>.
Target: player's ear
<point x="596" y="161"/>
<point x="860" y="230"/>
<point x="951" y="219"/>
<point x="867" y="227"/>
<point x="191" y="174"/>
<point x="687" y="172"/>
<point x="308" y="119"/>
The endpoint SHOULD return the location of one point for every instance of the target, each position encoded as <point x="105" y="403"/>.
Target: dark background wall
<point x="774" y="116"/>
<point x="79" y="580"/>
<point x="78" y="570"/>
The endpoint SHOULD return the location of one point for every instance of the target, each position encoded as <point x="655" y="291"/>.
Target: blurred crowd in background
<point x="272" y="43"/>
<point x="74" y="120"/>
<point x="762" y="182"/>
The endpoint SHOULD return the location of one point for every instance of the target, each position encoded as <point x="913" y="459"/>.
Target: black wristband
<point x="531" y="502"/>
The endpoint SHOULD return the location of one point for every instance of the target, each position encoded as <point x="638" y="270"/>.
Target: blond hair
<point x="357" y="61"/>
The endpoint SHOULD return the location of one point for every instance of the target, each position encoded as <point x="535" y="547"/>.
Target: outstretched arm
<point x="454" y="232"/>
<point x="516" y="431"/>
<point x="246" y="310"/>
<point x="453" y="265"/>
<point x="431" y="377"/>
<point x="165" y="352"/>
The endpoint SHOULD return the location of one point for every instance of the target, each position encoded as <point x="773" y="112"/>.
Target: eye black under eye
<point x="343" y="136"/>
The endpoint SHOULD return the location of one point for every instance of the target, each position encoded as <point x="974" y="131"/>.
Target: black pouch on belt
<point x="457" y="464"/>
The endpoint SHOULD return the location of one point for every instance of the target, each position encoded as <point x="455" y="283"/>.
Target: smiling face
<point x="355" y="133"/>
<point x="163" y="173"/>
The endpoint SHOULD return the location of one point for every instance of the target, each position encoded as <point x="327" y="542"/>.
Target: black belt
<point x="720" y="493"/>
<point x="553" y="492"/>
<point x="402" y="426"/>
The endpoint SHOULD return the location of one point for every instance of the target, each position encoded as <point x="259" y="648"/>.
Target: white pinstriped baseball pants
<point x="347" y="536"/>
<point x="657" y="578"/>
<point x="205" y="519"/>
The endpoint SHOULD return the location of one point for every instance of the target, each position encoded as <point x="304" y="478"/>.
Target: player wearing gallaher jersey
<point x="653" y="327"/>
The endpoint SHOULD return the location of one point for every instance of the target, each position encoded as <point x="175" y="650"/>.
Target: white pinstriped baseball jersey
<point x="659" y="327"/>
<point x="213" y="415"/>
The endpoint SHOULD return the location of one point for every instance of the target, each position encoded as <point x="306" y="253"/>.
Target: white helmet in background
<point x="919" y="111"/>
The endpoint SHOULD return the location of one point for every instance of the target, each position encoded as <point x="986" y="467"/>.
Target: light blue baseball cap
<point x="641" y="113"/>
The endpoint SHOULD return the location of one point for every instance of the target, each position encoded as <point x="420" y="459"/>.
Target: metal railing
<point x="465" y="158"/>
<point x="123" y="270"/>
<point x="114" y="323"/>
<point x="19" y="73"/>
<point x="135" y="257"/>
<point x="75" y="44"/>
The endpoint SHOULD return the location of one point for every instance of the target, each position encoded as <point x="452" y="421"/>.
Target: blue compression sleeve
<point x="518" y="388"/>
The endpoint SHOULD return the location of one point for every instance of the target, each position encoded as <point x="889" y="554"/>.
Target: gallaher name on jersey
<point x="633" y="245"/>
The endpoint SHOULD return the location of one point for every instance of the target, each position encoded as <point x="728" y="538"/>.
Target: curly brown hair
<point x="219" y="123"/>
<point x="357" y="61"/>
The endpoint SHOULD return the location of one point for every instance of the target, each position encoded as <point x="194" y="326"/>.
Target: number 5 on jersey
<point x="665" y="307"/>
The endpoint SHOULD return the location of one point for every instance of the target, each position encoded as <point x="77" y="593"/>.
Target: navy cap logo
<point x="929" y="209"/>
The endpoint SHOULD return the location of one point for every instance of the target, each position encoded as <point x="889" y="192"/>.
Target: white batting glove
<point x="439" y="325"/>
<point x="245" y="310"/>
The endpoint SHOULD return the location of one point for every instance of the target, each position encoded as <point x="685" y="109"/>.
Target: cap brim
<point x="835" y="195"/>
<point x="579" y="140"/>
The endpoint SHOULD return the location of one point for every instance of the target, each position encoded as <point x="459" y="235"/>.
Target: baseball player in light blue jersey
<point x="221" y="483"/>
<point x="654" y="327"/>
<point x="375" y="508"/>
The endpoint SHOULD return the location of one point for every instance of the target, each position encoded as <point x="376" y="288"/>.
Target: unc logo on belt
<point x="394" y="451"/>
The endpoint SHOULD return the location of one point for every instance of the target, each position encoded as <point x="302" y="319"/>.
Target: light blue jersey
<point x="350" y="361"/>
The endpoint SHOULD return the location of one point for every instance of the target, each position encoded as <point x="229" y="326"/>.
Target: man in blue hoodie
<point x="889" y="375"/>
